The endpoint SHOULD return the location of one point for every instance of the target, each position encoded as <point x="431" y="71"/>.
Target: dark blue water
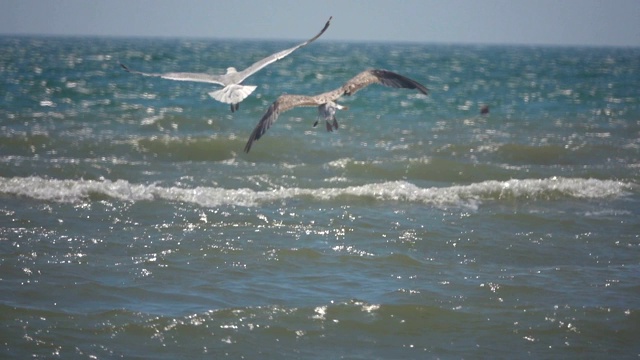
<point x="133" y="225"/>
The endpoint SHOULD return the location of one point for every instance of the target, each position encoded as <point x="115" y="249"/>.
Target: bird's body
<point x="233" y="92"/>
<point x="326" y="102"/>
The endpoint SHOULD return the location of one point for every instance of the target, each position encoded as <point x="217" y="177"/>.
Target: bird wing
<point x="282" y="104"/>
<point x="181" y="76"/>
<point x="384" y="77"/>
<point x="257" y="66"/>
<point x="364" y="79"/>
<point x="234" y="78"/>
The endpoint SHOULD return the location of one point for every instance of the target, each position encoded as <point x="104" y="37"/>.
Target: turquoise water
<point x="133" y="225"/>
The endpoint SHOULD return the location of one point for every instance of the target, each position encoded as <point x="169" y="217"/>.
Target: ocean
<point x="133" y="225"/>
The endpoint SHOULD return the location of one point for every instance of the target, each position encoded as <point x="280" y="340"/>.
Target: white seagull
<point x="326" y="101"/>
<point x="232" y="92"/>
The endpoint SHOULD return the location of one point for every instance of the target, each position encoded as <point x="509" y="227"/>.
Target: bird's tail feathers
<point x="232" y="94"/>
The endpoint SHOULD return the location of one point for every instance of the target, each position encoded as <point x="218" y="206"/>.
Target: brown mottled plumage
<point x="326" y="101"/>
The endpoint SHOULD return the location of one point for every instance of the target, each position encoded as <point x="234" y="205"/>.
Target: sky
<point x="535" y="22"/>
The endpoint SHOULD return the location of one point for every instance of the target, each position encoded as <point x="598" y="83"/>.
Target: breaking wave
<point x="470" y="195"/>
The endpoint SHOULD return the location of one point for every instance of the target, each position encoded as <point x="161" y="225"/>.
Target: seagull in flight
<point x="326" y="102"/>
<point x="233" y="91"/>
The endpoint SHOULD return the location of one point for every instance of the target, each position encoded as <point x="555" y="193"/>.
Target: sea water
<point x="133" y="225"/>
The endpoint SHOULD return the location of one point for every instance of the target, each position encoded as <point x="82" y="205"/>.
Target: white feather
<point x="232" y="94"/>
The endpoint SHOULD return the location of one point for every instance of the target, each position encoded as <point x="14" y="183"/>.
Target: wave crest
<point x="458" y="195"/>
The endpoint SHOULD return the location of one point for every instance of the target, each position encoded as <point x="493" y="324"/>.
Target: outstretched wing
<point x="181" y="76"/>
<point x="282" y="104"/>
<point x="384" y="77"/>
<point x="364" y="79"/>
<point x="277" y="56"/>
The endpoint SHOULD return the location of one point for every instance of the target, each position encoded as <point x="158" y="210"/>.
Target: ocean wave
<point x="470" y="195"/>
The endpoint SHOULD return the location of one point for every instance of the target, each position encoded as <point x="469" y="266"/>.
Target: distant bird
<point x="326" y="101"/>
<point x="484" y="109"/>
<point x="232" y="93"/>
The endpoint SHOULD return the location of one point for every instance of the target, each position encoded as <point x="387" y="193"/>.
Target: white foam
<point x="459" y="195"/>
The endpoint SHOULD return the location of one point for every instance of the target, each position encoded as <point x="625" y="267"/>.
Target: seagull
<point x="233" y="92"/>
<point x="326" y="102"/>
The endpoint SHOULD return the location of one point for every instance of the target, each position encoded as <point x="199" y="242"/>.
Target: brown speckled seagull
<point x="233" y="92"/>
<point x="326" y="102"/>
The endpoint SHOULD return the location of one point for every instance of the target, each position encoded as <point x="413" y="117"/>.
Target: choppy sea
<point x="133" y="225"/>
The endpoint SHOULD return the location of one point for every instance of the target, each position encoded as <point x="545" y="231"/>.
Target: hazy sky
<point x="557" y="22"/>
